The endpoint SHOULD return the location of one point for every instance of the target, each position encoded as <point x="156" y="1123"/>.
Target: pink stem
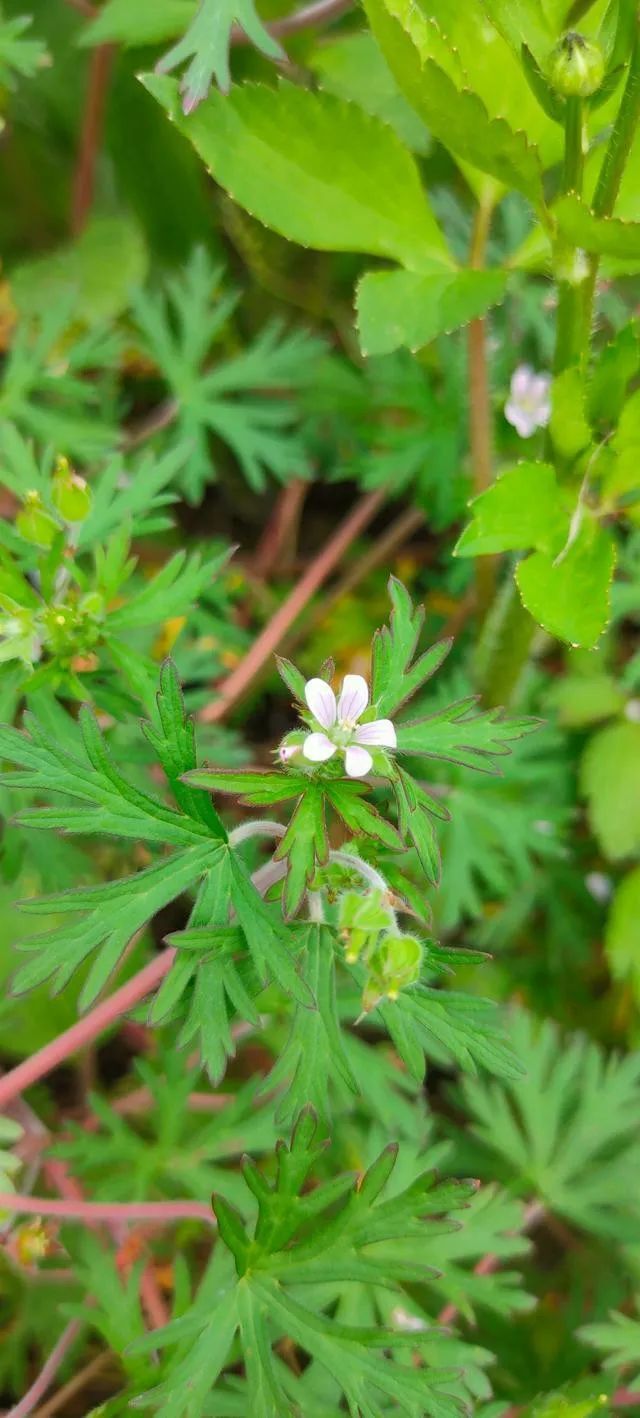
<point x="85" y="1029"/>
<point x="110" y="1211"/>
<point x="47" y="1373"/>
<point x="625" y="1398"/>
<point x="262" y="649"/>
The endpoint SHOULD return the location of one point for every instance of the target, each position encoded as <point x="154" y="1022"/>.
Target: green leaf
<point x="571" y="596"/>
<point x="605" y="236"/>
<point x="564" y="1132"/>
<point x="314" y="1055"/>
<point x="522" y="22"/>
<point x="447" y="1025"/>
<point x="570" y="431"/>
<point x="249" y="785"/>
<point x="458" y="734"/>
<point x="615" y="366"/>
<point x="456" y="116"/>
<point x="585" y="698"/>
<point x="415" y="817"/>
<point x="610" y="780"/>
<point x="268" y="941"/>
<point x="294" y="160"/>
<point x="147" y="22"/>
<point x="360" y="817"/>
<point x="523" y="508"/>
<point x="394" y="678"/>
<point x="622" y="937"/>
<point x="353" y="68"/>
<point x="97" y="272"/>
<point x="305" y="846"/>
<point x="207" y="43"/>
<point x="403" y="308"/>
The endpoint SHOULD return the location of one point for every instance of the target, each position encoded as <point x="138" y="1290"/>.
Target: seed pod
<point x="34" y="523"/>
<point x="70" y="493"/>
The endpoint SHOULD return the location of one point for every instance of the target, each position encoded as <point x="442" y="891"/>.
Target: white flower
<point x="529" y="404"/>
<point x="343" y="733"/>
<point x="599" y="885"/>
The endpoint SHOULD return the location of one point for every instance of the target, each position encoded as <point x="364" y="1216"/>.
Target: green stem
<point x="613" y="165"/>
<point x="480" y="421"/>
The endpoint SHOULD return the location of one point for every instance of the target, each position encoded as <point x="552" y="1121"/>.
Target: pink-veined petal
<point x="322" y="701"/>
<point x="353" y="699"/>
<point x="357" y="761"/>
<point x="380" y="733"/>
<point x="318" y="748"/>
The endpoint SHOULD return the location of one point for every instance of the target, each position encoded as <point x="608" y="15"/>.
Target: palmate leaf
<point x="111" y="912"/>
<point x="457" y="734"/>
<point x="301" y="1239"/>
<point x="179" y="329"/>
<point x="566" y="1130"/>
<point x="426" y="1023"/>
<point x="618" y="1339"/>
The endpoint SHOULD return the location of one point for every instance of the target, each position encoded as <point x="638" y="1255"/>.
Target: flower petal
<point x="521" y="381"/>
<point x="353" y="699"/>
<point x="380" y="732"/>
<point x="318" y="748"/>
<point x="357" y="761"/>
<point x="322" y="701"/>
<point x="524" y="422"/>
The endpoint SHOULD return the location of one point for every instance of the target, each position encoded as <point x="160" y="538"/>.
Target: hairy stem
<point x="86" y="1029"/>
<point x="615" y="158"/>
<point x="261" y="827"/>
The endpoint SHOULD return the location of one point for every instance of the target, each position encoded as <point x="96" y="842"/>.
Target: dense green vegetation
<point x="320" y="703"/>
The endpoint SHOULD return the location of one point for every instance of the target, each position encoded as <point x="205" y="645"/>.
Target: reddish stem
<point x="47" y="1373"/>
<point x="263" y="648"/>
<point x="113" y="1212"/>
<point x="91" y="137"/>
<point x="281" y="529"/>
<point x="86" y="1029"/>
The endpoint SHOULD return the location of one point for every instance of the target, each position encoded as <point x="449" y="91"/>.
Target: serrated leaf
<point x="394" y="678"/>
<point x="250" y="785"/>
<point x="293" y="159"/>
<point x="604" y="236"/>
<point x="404" y="309"/>
<point x="523" y="508"/>
<point x="305" y="846"/>
<point x="452" y="112"/>
<point x="459" y="735"/>
<point x="571" y="596"/>
<point x="314" y="1056"/>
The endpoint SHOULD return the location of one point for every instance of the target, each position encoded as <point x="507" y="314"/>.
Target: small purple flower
<point x="339" y="721"/>
<point x="529" y="404"/>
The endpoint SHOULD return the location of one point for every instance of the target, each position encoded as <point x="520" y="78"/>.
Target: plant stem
<point x="48" y="1372"/>
<point x="617" y="152"/>
<point x="480" y="423"/>
<point x="100" y="66"/>
<point x="86" y="1029"/>
<point x="113" y="1212"/>
<point x="239" y="681"/>
<point x="320" y="12"/>
<point x="261" y="827"/>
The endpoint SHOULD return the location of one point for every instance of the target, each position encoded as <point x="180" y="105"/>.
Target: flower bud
<point x="393" y="966"/>
<point x="71" y="496"/>
<point x="34" y="523"/>
<point x="577" y="66"/>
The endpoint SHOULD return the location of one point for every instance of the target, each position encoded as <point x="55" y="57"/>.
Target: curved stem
<point x="370" y="874"/>
<point x="260" y="827"/>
